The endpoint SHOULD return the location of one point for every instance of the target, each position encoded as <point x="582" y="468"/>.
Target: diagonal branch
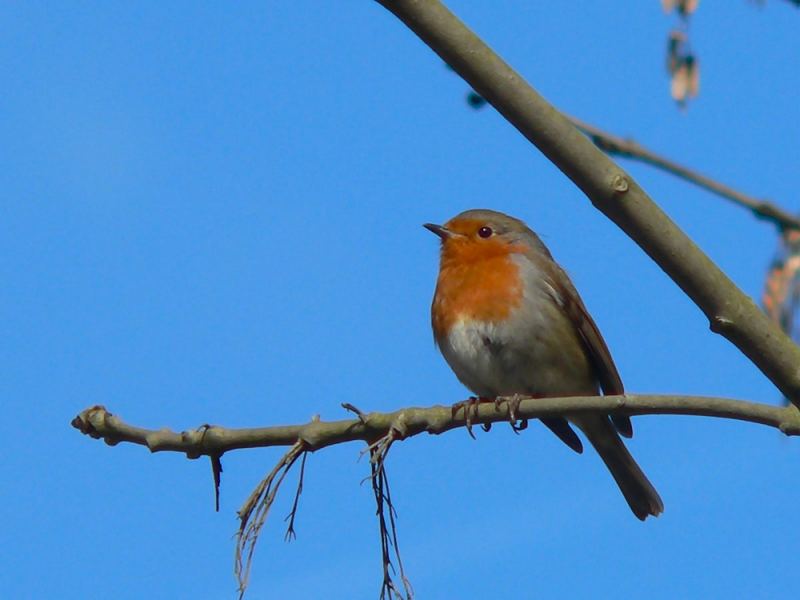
<point x="731" y="313"/>
<point x="98" y="423"/>
<point x="628" y="148"/>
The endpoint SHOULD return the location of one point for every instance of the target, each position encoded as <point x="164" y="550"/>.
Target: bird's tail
<point x="642" y="497"/>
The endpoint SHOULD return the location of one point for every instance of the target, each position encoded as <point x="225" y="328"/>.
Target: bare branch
<point x="629" y="148"/>
<point x="98" y="423"/>
<point x="613" y="191"/>
<point x="380" y="431"/>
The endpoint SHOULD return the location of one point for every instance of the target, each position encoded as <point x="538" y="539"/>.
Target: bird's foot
<point x="513" y="403"/>
<point x="470" y="406"/>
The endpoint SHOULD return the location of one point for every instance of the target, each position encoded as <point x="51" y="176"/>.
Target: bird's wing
<point x="596" y="348"/>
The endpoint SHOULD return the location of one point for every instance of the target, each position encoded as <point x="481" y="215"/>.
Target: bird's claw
<point x="470" y="406"/>
<point x="523" y="424"/>
<point x="513" y="403"/>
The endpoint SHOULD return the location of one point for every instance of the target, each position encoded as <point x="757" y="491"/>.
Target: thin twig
<point x="628" y="148"/>
<point x="388" y="534"/>
<point x="355" y="410"/>
<point x="290" y="532"/>
<point x="393" y="528"/>
<point x="254" y="511"/>
<point x="216" y="472"/>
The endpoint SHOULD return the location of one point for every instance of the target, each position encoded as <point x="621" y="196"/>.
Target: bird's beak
<point x="442" y="232"/>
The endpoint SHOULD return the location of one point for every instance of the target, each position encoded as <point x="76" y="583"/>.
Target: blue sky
<point x="212" y="215"/>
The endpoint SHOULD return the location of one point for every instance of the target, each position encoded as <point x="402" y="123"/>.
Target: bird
<point x="510" y="323"/>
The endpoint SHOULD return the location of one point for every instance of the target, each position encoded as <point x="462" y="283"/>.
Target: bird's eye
<point x="485" y="232"/>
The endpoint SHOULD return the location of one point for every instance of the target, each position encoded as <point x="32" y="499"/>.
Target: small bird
<point x="509" y="322"/>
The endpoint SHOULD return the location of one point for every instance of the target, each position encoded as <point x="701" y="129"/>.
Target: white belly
<point x="517" y="358"/>
<point x="479" y="361"/>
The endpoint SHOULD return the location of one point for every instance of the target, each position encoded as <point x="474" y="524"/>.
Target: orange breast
<point x="476" y="281"/>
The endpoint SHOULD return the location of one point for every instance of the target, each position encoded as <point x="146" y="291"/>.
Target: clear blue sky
<point x="211" y="214"/>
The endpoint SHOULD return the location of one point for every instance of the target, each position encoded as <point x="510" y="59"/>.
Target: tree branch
<point x="212" y="440"/>
<point x="628" y="148"/>
<point x="731" y="313"/>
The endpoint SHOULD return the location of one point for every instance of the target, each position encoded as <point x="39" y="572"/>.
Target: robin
<point x="510" y="323"/>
